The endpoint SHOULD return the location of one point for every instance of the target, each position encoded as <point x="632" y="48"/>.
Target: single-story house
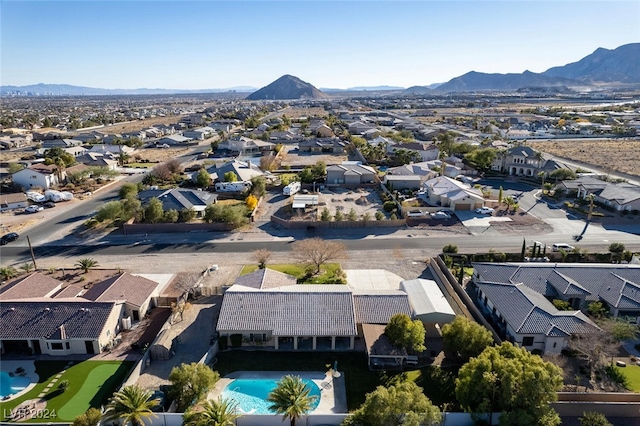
<point x="97" y="159"/>
<point x="619" y="195"/>
<point x="34" y="285"/>
<point x="319" y="146"/>
<point x="58" y="327"/>
<point x="446" y="192"/>
<point x="60" y="143"/>
<point x="517" y="296"/>
<point x="427" y="151"/>
<point x="174" y="140"/>
<point x="350" y="174"/>
<point x="201" y="133"/>
<point x="180" y="199"/>
<point x="13" y="201"/>
<point x="136" y="292"/>
<point x="36" y="176"/>
<point x="413" y="182"/>
<point x="244" y="170"/>
<point x="422" y="169"/>
<point x="244" y="145"/>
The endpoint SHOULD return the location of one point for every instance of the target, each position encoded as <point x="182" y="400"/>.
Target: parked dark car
<point x="48" y="204"/>
<point x="8" y="238"/>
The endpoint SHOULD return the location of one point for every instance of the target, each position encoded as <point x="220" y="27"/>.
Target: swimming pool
<point x="251" y="394"/>
<point x="10" y="385"/>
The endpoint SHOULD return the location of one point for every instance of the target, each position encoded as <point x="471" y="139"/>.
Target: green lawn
<point x="327" y="272"/>
<point x="91" y="384"/>
<point x="632" y="373"/>
<point x="359" y="380"/>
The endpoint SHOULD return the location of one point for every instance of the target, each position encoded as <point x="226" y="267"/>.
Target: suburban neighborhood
<point x="372" y="257"/>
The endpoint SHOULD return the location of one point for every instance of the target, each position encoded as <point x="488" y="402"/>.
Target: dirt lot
<point x="155" y="155"/>
<point x="622" y="155"/>
<point x="294" y="158"/>
<point x="139" y="125"/>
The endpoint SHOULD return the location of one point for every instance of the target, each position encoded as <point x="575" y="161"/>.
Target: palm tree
<point x="291" y="398"/>
<point x="86" y="264"/>
<point x="131" y="404"/>
<point x="212" y="413"/>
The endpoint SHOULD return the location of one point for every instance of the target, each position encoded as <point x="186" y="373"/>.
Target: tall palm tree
<point x="86" y="264"/>
<point x="291" y="398"/>
<point x="131" y="404"/>
<point x="221" y="412"/>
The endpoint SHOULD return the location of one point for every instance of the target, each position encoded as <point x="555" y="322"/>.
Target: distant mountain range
<point x="617" y="68"/>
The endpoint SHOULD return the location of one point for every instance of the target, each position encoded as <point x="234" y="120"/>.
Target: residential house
<point x="621" y="196"/>
<point x="13" y="201"/>
<point x="34" y="285"/>
<point x="97" y="159"/>
<point x="199" y="134"/>
<point x="350" y="173"/>
<point x="60" y="143"/>
<point x="518" y="295"/>
<point x="446" y="192"/>
<point x="137" y="292"/>
<point x="321" y="130"/>
<point x="323" y="146"/>
<point x="36" y="176"/>
<point x="243" y="145"/>
<point x="422" y="169"/>
<point x="523" y="161"/>
<point x="180" y="199"/>
<point x="413" y="182"/>
<point x="58" y="327"/>
<point x="174" y="139"/>
<point x="115" y="150"/>
<point x="427" y="151"/>
<point x="358" y="127"/>
<point x="244" y="170"/>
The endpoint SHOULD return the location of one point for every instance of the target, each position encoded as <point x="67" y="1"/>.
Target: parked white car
<point x="33" y="209"/>
<point x="416" y="213"/>
<point x="484" y="210"/>
<point x="562" y="246"/>
<point x="442" y="214"/>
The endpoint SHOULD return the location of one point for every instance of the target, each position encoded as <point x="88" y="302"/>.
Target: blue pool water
<point x="10" y="385"/>
<point x="251" y="394"/>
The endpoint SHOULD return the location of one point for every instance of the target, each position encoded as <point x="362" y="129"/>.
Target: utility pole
<point x="33" y="257"/>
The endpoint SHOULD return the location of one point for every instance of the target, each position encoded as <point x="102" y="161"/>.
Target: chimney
<point x="63" y="333"/>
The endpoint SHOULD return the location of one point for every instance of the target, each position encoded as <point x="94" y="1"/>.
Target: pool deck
<point x="29" y="371"/>
<point x="333" y="394"/>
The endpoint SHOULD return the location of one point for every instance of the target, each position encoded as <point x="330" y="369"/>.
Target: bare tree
<point x="186" y="281"/>
<point x="262" y="256"/>
<point x="178" y="309"/>
<point x="317" y="251"/>
<point x="269" y="162"/>
<point x="174" y="166"/>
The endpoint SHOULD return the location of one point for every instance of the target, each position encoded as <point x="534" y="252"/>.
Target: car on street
<point x="484" y="210"/>
<point x="562" y="246"/>
<point x="33" y="209"/>
<point x="8" y="238"/>
<point x="48" y="204"/>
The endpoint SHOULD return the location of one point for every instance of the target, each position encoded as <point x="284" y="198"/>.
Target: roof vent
<point x="47" y="309"/>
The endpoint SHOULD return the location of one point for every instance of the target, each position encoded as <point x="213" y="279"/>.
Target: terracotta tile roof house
<point x="32" y="286"/>
<point x="57" y="327"/>
<point x="518" y="296"/>
<point x="137" y="293"/>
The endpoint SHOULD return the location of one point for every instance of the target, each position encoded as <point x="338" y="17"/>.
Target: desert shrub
<point x="389" y="206"/>
<point x="450" y="248"/>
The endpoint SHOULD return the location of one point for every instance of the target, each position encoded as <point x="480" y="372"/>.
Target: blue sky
<point x="334" y="44"/>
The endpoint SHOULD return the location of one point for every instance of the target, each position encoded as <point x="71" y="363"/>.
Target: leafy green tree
<point x="153" y="212"/>
<point x="482" y="158"/>
<point x="91" y="418"/>
<point x="562" y="174"/>
<point x="203" y="179"/>
<point x="339" y="216"/>
<point x="190" y="382"/>
<point x="400" y="404"/>
<point x="306" y="175"/>
<point x="352" y="215"/>
<point x="596" y="309"/>
<point x="220" y="412"/>
<point x="407" y="333"/>
<point x="170" y="216"/>
<point x="258" y="186"/>
<point x="128" y="190"/>
<point x="325" y="215"/>
<point x="86" y="264"/>
<point x="379" y="215"/>
<point x="230" y="177"/>
<point x="112" y="211"/>
<point x="291" y="398"/>
<point x="50" y="156"/>
<point x="14" y="168"/>
<point x="319" y="170"/>
<point x="187" y="215"/>
<point x="616" y="250"/>
<point x="593" y="418"/>
<point x="465" y="338"/>
<point x="513" y="381"/>
<point x="132" y="404"/>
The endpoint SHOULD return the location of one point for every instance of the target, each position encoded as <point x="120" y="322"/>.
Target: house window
<point x="56" y="346"/>
<point x="67" y="345"/>
<point x="527" y="341"/>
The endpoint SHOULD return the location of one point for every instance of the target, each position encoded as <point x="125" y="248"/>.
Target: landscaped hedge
<point x="236" y="340"/>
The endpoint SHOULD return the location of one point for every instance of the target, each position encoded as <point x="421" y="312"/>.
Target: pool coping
<point x="332" y="389"/>
<point x="10" y="366"/>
